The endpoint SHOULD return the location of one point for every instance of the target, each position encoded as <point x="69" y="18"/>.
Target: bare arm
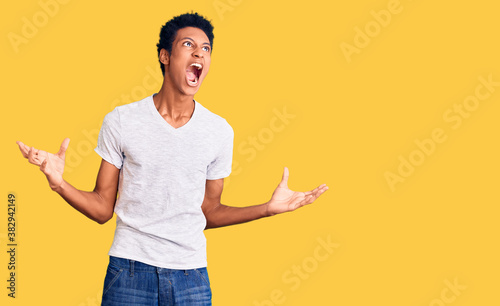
<point x="282" y="200"/>
<point x="219" y="215"/>
<point x="98" y="205"/>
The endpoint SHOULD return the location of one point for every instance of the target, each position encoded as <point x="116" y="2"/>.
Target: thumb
<point x="64" y="147"/>
<point x="284" y="180"/>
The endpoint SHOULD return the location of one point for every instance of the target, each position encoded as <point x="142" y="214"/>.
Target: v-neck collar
<point x="156" y="114"/>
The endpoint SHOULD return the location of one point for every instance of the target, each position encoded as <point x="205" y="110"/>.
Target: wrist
<point x="268" y="212"/>
<point x="57" y="188"/>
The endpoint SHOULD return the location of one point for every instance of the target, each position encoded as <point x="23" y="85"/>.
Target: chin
<point x="190" y="91"/>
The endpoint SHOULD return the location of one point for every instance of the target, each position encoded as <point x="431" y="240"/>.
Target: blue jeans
<point x="130" y="282"/>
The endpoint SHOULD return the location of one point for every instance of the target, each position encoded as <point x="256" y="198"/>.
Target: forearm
<point x="89" y="203"/>
<point x="222" y="215"/>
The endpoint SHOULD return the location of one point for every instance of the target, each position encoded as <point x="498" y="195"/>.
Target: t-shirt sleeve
<point x="220" y="167"/>
<point x="109" y="140"/>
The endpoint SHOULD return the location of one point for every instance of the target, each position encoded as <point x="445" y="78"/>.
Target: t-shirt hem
<point x="160" y="265"/>
<point x="216" y="177"/>
<point x="106" y="158"/>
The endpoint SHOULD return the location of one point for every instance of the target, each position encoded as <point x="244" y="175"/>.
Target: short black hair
<point x="169" y="31"/>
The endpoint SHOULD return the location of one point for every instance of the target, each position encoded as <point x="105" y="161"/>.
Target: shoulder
<point x="125" y="111"/>
<point x="214" y="122"/>
<point x="133" y="107"/>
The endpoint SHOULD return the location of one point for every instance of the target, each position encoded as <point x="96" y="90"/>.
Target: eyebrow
<point x="205" y="43"/>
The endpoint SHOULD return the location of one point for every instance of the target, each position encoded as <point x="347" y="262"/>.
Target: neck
<point x="171" y="103"/>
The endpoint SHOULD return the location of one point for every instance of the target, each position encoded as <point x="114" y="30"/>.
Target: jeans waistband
<point x="137" y="266"/>
<point x="132" y="265"/>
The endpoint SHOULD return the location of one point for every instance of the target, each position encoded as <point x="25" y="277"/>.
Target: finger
<point x="284" y="180"/>
<point x="321" y="188"/>
<point x="63" y="148"/>
<point x="34" y="158"/>
<point x="310" y="198"/>
<point x="43" y="166"/>
<point x="24" y="148"/>
<point x="319" y="192"/>
<point x="31" y="156"/>
<point x="305" y="201"/>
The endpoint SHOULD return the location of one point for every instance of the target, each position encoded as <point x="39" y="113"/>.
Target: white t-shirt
<point x="163" y="171"/>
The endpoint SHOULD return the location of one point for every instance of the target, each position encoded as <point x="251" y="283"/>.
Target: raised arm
<point x="282" y="200"/>
<point x="98" y="205"/>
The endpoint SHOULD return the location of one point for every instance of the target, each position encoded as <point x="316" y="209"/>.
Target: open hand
<point x="52" y="165"/>
<point x="284" y="199"/>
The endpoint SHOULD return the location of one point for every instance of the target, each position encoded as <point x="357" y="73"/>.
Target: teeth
<point x="198" y="66"/>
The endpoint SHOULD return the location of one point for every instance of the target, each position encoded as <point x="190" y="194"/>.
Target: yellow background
<point x="354" y="117"/>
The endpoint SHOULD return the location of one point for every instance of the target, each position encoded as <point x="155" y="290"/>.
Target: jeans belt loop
<point x="131" y="267"/>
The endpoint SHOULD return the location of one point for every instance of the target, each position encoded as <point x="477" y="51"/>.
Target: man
<point x="167" y="156"/>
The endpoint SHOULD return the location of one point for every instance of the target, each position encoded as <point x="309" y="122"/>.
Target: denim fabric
<point x="130" y="282"/>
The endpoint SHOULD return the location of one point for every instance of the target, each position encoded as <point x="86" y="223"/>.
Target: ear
<point x="164" y="57"/>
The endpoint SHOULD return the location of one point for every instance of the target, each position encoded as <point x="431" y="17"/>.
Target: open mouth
<point x="193" y="73"/>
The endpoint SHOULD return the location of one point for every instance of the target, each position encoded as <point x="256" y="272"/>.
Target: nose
<point x="198" y="53"/>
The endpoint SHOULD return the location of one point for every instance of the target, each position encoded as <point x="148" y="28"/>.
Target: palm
<point x="284" y="199"/>
<point x="52" y="165"/>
